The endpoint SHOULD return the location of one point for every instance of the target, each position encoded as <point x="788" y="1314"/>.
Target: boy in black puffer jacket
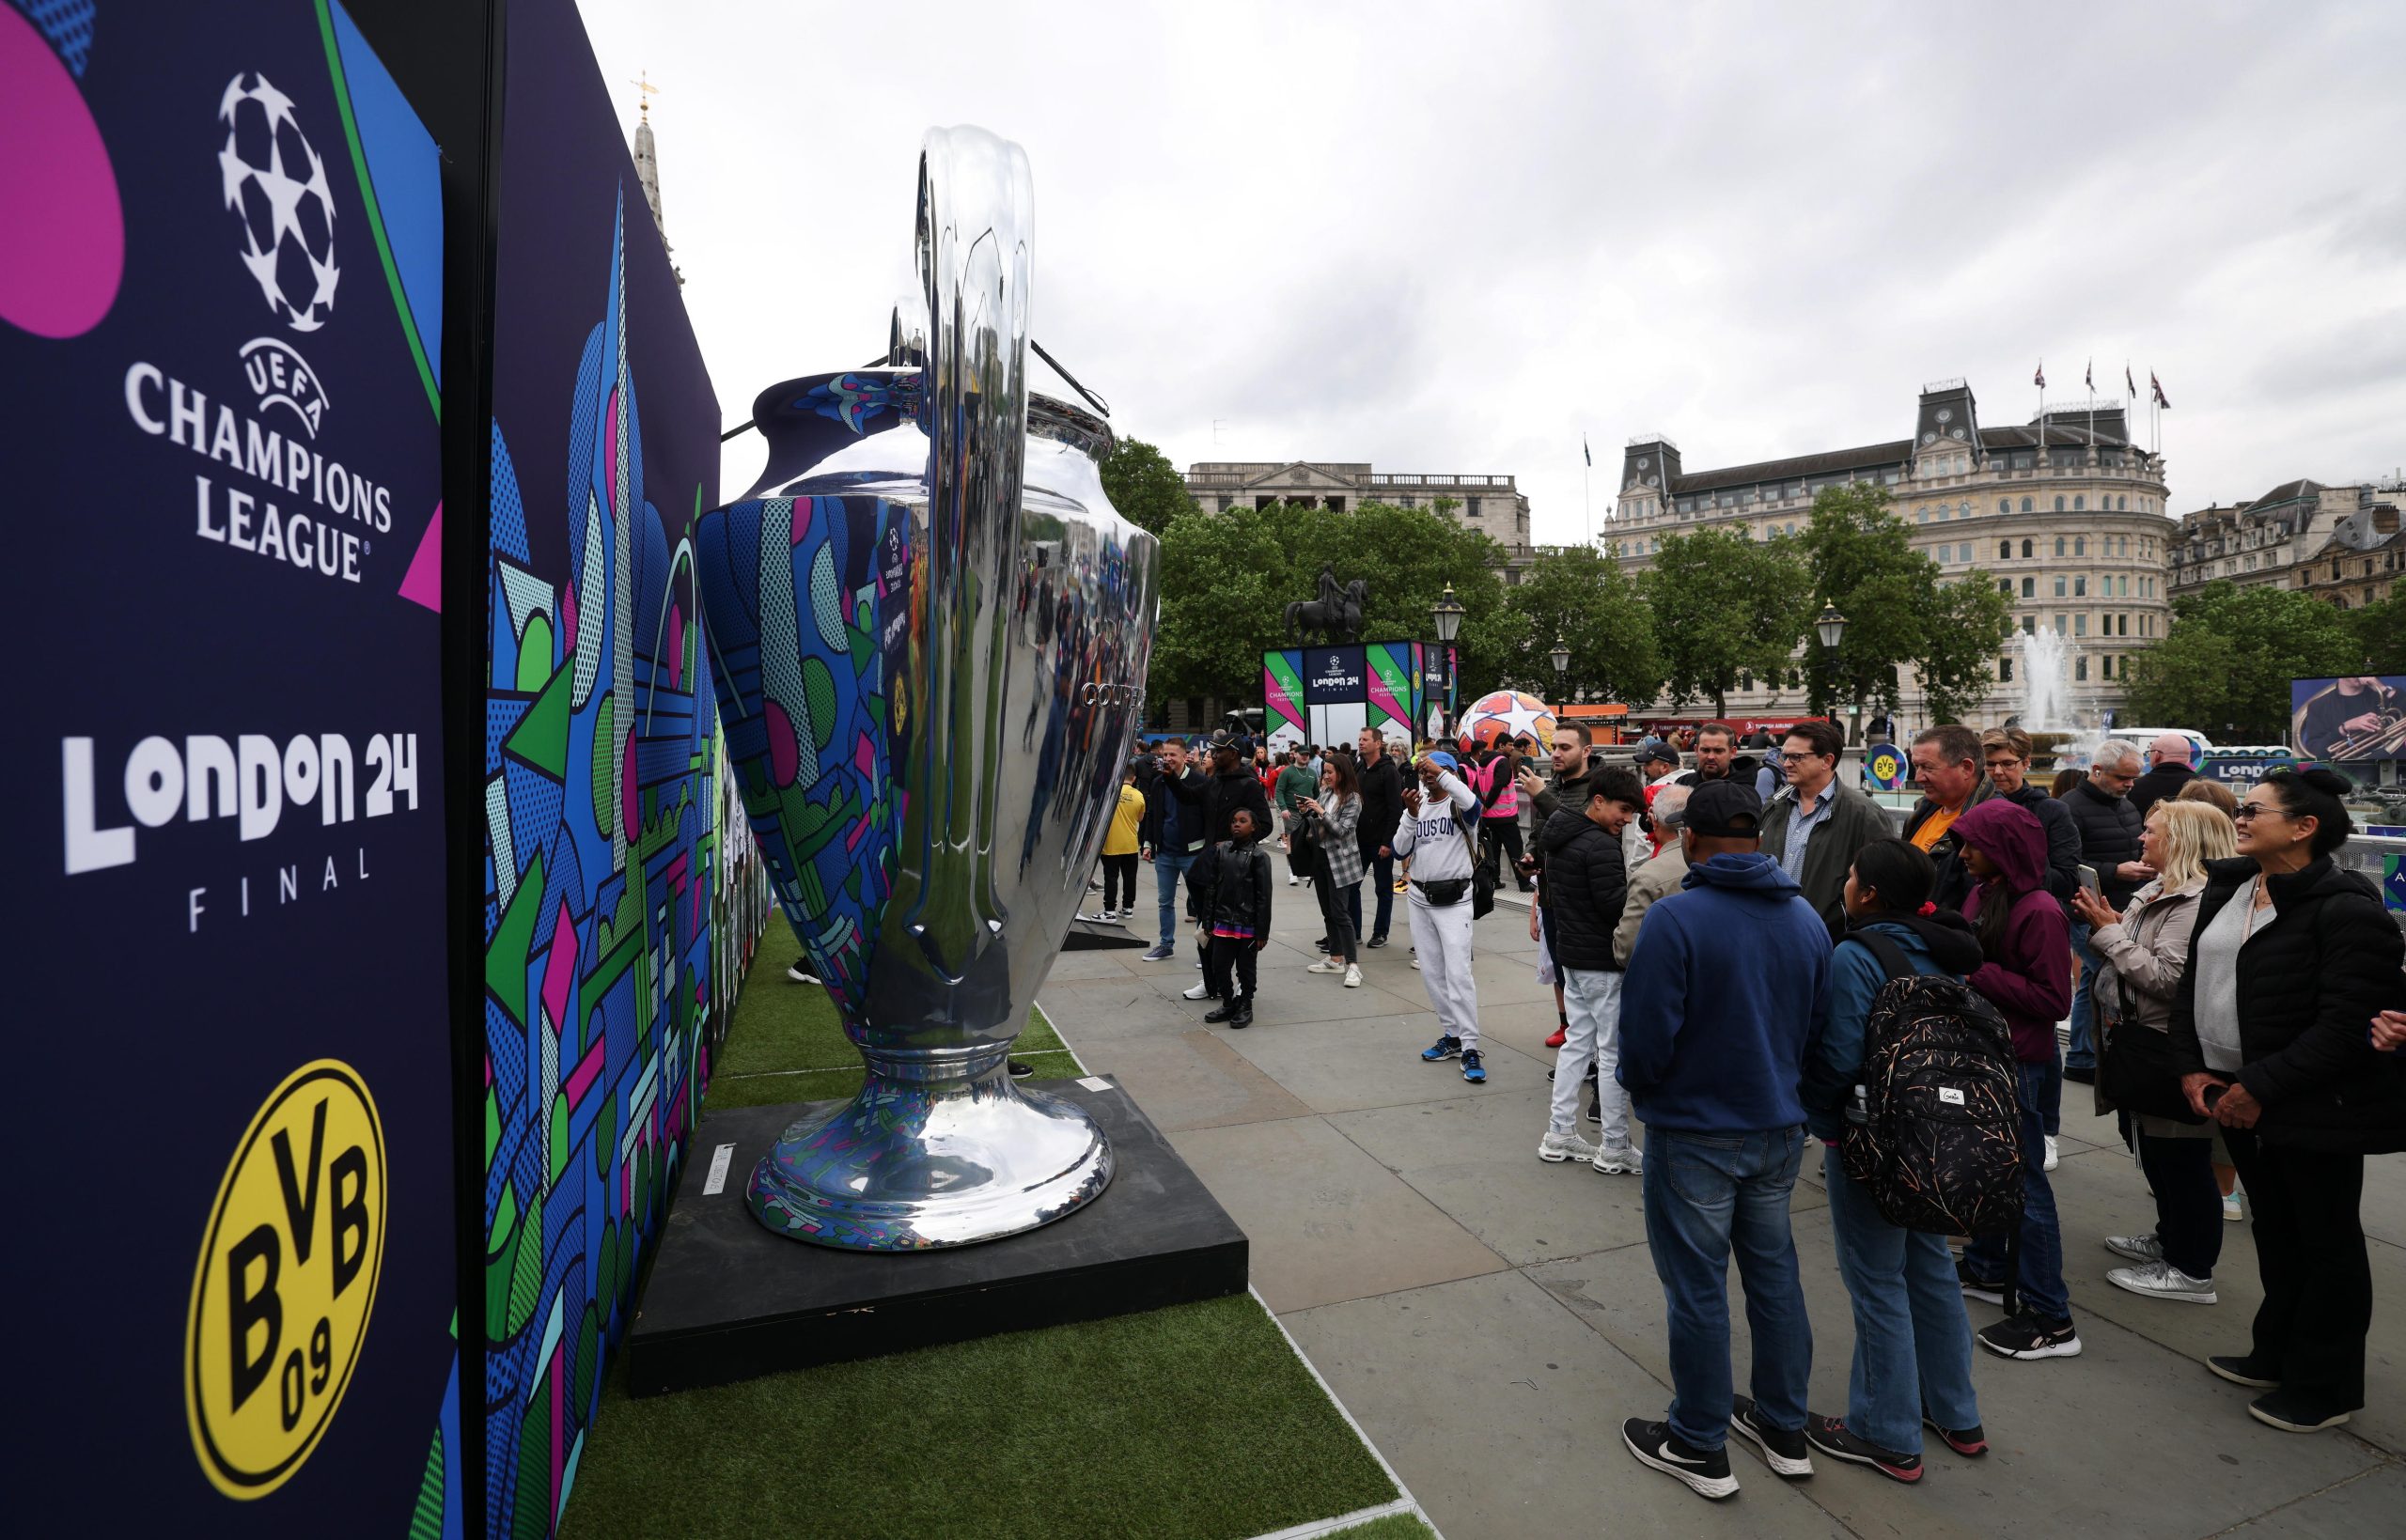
<point x="1586" y="884"/>
<point x="1231" y="887"/>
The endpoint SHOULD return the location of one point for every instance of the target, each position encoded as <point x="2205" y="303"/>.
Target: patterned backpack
<point x="1936" y="1136"/>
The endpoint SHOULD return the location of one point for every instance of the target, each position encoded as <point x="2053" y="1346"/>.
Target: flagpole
<point x="1586" y="494"/>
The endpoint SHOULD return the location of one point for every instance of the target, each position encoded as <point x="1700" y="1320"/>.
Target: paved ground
<point x="1489" y="1319"/>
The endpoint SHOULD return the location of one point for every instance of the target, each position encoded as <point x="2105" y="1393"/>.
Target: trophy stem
<point x="911" y="1164"/>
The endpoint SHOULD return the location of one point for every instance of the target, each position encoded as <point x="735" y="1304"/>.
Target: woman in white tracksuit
<point x="1431" y="836"/>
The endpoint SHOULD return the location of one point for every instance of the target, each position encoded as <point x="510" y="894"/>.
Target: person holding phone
<point x="2276" y="1032"/>
<point x="1331" y="824"/>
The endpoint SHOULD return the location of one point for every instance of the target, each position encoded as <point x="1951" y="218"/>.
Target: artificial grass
<point x="1195" y="1423"/>
<point x="1392" y="1527"/>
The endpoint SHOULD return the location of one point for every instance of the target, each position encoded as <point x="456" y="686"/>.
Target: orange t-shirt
<point x="1933" y="827"/>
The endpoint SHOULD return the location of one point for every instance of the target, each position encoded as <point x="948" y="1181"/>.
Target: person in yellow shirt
<point x="1119" y="853"/>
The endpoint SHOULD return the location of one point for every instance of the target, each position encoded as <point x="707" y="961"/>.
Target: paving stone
<point x="1191" y="1079"/>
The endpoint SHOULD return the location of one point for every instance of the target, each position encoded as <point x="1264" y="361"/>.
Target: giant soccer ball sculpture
<point x="1505" y="715"/>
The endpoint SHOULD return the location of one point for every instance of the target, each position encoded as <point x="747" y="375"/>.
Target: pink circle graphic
<point x="785" y="758"/>
<point x="64" y="253"/>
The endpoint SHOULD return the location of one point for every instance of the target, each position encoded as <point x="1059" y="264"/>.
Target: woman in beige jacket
<point x="2143" y="950"/>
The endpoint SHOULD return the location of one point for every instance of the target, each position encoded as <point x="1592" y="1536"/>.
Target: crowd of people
<point x="1747" y="956"/>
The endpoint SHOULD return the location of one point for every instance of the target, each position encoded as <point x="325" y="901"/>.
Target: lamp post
<point x="1447" y="613"/>
<point x="1832" y="627"/>
<point x="1560" y="657"/>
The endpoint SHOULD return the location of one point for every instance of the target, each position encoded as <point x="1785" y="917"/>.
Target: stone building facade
<point x="1492" y="505"/>
<point x="2065" y="514"/>
<point x="2341" y="543"/>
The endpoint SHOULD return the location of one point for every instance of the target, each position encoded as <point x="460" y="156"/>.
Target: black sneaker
<point x="1970" y="1442"/>
<point x="1243" y="1018"/>
<point x="2242" y="1371"/>
<point x="1222" y="1014"/>
<point x="2293" y="1414"/>
<point x="1375" y="942"/>
<point x="1706" y="1472"/>
<point x="2027" y="1336"/>
<point x="1976" y="1287"/>
<point x="1831" y="1436"/>
<point x="1020" y="1068"/>
<point x="800" y="974"/>
<point x="1782" y="1448"/>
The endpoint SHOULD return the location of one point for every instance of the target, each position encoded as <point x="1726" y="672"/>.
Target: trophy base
<point x="907" y="1166"/>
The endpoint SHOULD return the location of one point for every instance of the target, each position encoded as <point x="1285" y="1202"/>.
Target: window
<point x="2105" y="666"/>
<point x="2059" y="586"/>
<point x="2005" y="671"/>
<point x="2005" y="551"/>
<point x="2080" y="545"/>
<point x="2080" y="624"/>
<point x="2005" y="504"/>
<point x="2122" y="628"/>
<point x="2029" y="623"/>
<point x="2062" y="623"/>
<point x="1963" y="510"/>
<point x="1945" y="512"/>
<point x="1470" y="508"/>
<point x="2025" y="505"/>
<point x="2080" y="668"/>
<point x="2059" y="503"/>
<point x="2025" y="545"/>
<point x="2079" y="504"/>
<point x="2029" y="587"/>
<point x="2059" y="540"/>
<point x="2121" y="505"/>
<point x="2005" y="586"/>
<point x="1925" y="514"/>
<point x="2079" y="587"/>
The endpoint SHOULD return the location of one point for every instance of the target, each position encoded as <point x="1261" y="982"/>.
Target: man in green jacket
<point x="1295" y="784"/>
<point x="1814" y="827"/>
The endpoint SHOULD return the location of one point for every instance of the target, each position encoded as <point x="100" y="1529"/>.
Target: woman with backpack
<point x="2026" y="975"/>
<point x="2142" y="953"/>
<point x="1912" y="1344"/>
<point x="2275" y="1030"/>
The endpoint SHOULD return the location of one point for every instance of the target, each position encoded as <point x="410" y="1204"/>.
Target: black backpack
<point x="1936" y="1137"/>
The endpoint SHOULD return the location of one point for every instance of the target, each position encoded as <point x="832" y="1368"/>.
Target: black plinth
<point x="728" y="1301"/>
<point x="1086" y="936"/>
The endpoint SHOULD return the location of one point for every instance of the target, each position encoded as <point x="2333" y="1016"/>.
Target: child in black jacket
<point x="1231" y="886"/>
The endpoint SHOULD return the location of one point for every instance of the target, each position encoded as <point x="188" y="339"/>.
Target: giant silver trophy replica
<point x="929" y="631"/>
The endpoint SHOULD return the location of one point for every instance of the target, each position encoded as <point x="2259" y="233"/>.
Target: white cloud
<point x="1455" y="238"/>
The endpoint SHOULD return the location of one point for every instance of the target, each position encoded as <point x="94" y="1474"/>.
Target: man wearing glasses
<point x="2109" y="829"/>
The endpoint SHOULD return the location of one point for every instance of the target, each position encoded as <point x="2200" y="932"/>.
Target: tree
<point x="1143" y="486"/>
<point x="1225" y="579"/>
<point x="2382" y="630"/>
<point x="1963" y="625"/>
<point x="1723" y="605"/>
<point x="1900" y="610"/>
<point x="1582" y="596"/>
<point x="2225" y="666"/>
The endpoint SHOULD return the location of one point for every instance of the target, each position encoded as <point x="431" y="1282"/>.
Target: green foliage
<point x="1582" y="596"/>
<point x="1963" y="625"/>
<point x="1723" y="605"/>
<point x="1900" y="610"/>
<point x="1228" y="578"/>
<point x="2225" y="666"/>
<point x="1143" y="486"/>
<point x="2381" y="630"/>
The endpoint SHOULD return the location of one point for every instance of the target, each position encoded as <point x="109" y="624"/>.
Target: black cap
<point x="1658" y="751"/>
<point x="1724" y="810"/>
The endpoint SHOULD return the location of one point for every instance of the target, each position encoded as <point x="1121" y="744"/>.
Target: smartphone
<point x="2214" y="1093"/>
<point x="2088" y="876"/>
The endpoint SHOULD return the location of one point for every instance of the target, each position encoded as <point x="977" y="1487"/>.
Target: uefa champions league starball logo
<point x="276" y="186"/>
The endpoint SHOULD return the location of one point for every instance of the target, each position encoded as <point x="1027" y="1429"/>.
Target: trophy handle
<point x="975" y="221"/>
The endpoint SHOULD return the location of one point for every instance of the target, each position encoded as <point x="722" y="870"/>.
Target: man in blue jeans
<point x="1175" y="822"/>
<point x="1717" y="1005"/>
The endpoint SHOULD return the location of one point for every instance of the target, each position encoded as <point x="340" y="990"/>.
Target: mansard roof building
<point x="2341" y="544"/>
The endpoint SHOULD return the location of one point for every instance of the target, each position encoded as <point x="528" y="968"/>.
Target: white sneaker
<point x="1326" y="965"/>
<point x="1554" y="1148"/>
<point x="1200" y="992"/>
<point x="1294" y="881"/>
<point x="2163" y="1280"/>
<point x="1100" y="917"/>
<point x="1352" y="976"/>
<point x="1620" y="1160"/>
<point x="2144" y="1248"/>
<point x="800" y="974"/>
<point x="2050" y="1153"/>
<point x="2231" y="1207"/>
<point x="1415" y="960"/>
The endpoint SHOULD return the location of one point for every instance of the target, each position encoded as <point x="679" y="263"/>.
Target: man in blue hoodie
<point x="1717" y="1008"/>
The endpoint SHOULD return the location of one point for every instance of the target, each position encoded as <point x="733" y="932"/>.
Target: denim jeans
<point x="1167" y="867"/>
<point x="1707" y="1196"/>
<point x="2081" y="1052"/>
<point x="2042" y="1243"/>
<point x="1382" y="873"/>
<point x="1912" y="1343"/>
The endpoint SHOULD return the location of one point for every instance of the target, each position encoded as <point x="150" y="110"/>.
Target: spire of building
<point x="648" y="171"/>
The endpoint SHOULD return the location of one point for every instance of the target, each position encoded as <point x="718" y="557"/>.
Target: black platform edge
<point x="1085" y="935"/>
<point x="726" y="1300"/>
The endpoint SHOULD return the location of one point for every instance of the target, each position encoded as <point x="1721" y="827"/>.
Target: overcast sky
<point x="1457" y="238"/>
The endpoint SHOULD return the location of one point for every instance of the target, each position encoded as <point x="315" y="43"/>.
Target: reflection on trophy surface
<point x="930" y="631"/>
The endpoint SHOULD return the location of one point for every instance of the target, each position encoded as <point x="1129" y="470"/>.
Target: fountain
<point x="2043" y="697"/>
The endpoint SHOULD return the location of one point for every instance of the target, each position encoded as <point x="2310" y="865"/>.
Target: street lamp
<point x="1447" y="613"/>
<point x="1832" y="627"/>
<point x="1560" y="657"/>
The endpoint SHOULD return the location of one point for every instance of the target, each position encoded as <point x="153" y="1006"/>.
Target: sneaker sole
<point x="2236" y="1379"/>
<point x="2286" y="1426"/>
<point x="2132" y="1253"/>
<point x="1781" y="1465"/>
<point x="1618" y="1168"/>
<point x="1896" y="1473"/>
<point x="2186" y="1296"/>
<point x="1985" y="1293"/>
<point x="1971" y="1452"/>
<point x="1715" y="1488"/>
<point x="2053" y="1350"/>
<point x="1553" y="1157"/>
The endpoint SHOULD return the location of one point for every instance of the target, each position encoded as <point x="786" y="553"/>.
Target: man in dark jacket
<point x="2110" y="829"/>
<point x="2168" y="771"/>
<point x="1947" y="767"/>
<point x="1814" y="826"/>
<point x="1717" y="757"/>
<point x="1176" y="831"/>
<point x="1233" y="785"/>
<point x="1721" y="995"/>
<point x="1586" y="884"/>
<point x="1382" y="810"/>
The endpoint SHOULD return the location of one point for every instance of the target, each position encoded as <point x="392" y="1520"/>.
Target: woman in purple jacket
<point x="2028" y="976"/>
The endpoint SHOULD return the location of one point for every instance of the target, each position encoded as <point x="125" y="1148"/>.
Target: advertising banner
<point x="600" y="807"/>
<point x="1328" y="694"/>
<point x="232" y="1271"/>
<point x="1334" y="675"/>
<point x="2350" y="721"/>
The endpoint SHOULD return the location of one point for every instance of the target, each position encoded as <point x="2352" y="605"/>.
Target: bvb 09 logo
<point x="286" y="1278"/>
